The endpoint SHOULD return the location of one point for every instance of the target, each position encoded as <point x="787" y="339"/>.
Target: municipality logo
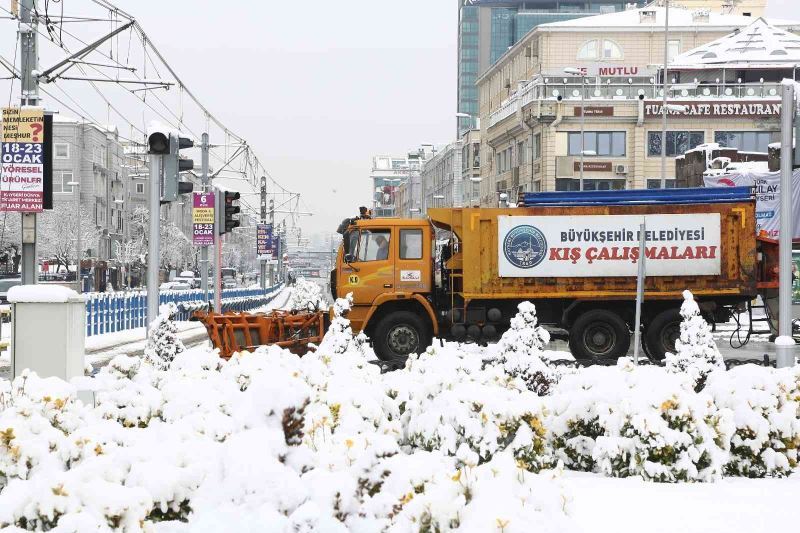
<point x="525" y="246"/>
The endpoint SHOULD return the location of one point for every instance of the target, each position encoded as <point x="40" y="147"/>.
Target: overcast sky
<point x="317" y="87"/>
<point x="787" y="9"/>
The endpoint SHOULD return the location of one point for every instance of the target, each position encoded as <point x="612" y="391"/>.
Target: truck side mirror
<point x="349" y="258"/>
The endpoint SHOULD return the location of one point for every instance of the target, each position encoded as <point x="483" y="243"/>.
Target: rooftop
<point x="653" y="17"/>
<point x="760" y="44"/>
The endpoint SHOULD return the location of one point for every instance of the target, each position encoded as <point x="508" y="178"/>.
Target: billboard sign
<point x="22" y="175"/>
<point x="203" y="218"/>
<point x="264" y="245"/>
<point x="608" y="245"/>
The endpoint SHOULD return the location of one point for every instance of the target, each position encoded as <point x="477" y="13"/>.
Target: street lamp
<point x="76" y="192"/>
<point x="578" y="72"/>
<point x="664" y="97"/>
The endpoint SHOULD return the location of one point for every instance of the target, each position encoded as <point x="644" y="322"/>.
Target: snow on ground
<point x="462" y="439"/>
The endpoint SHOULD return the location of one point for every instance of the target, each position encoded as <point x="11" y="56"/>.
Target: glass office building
<point x="488" y="28"/>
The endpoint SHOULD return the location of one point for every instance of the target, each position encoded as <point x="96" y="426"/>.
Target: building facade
<point x="533" y="111"/>
<point x="94" y="157"/>
<point x="471" y="166"/>
<point x="396" y="181"/>
<point x="442" y="182"/>
<point x="488" y="28"/>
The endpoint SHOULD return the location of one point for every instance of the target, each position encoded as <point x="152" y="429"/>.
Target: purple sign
<point x="263" y="240"/>
<point x="203" y="219"/>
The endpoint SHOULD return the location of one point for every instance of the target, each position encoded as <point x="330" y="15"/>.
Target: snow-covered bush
<point x="339" y="338"/>
<point x="766" y="414"/>
<point x="163" y="343"/>
<point x="638" y="421"/>
<point x="306" y="296"/>
<point x="520" y="351"/>
<point x="696" y="353"/>
<point x="448" y="398"/>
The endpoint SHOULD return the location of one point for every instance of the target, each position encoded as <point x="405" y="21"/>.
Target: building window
<point x="746" y="141"/>
<point x="60" y="180"/>
<point x="61" y="150"/>
<point x="655" y="183"/>
<point x="520" y="154"/>
<point x="140" y="188"/>
<point x="98" y="155"/>
<point x="604" y="143"/>
<point x="599" y="49"/>
<point x="476" y="155"/>
<point x="537" y="146"/>
<point x="573" y="184"/>
<point x="678" y="142"/>
<point x="673" y="49"/>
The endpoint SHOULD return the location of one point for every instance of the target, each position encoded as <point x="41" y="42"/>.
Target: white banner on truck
<point x="608" y="245"/>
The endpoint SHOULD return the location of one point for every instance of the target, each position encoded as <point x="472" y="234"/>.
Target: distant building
<point x="93" y="156"/>
<point x="389" y="174"/>
<point x="471" y="166"/>
<point x="442" y="183"/>
<point x="488" y="28"/>
<point x="531" y="109"/>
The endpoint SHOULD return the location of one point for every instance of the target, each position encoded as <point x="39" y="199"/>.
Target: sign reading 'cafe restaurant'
<point x="722" y="109"/>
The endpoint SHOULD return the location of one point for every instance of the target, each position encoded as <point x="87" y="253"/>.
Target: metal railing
<point x="571" y="90"/>
<point x="112" y="312"/>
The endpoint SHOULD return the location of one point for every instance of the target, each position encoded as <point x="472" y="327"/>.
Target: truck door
<point x="412" y="268"/>
<point x="371" y="272"/>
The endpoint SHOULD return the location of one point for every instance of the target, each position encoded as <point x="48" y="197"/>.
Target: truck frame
<point x="415" y="279"/>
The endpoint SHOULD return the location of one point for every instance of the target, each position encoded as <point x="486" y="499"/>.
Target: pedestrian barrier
<point x="120" y="311"/>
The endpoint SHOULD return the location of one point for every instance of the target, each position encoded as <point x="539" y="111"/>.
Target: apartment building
<point x="604" y="74"/>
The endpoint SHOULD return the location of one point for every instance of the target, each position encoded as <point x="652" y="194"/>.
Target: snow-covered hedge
<point x="307" y="296"/>
<point x="455" y="441"/>
<point x="766" y="413"/>
<point x="628" y="420"/>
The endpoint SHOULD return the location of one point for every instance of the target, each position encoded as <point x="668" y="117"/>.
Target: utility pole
<point x="204" y="249"/>
<point x="274" y="235"/>
<point x="664" y="98"/>
<point x="784" y="344"/>
<point x="154" y="237"/>
<point x="263" y="276"/>
<point x="29" y="63"/>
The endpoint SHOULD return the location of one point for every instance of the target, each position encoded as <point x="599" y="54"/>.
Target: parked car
<point x="174" y="286"/>
<point x="229" y="284"/>
<point x="6" y="284"/>
<point x="188" y="277"/>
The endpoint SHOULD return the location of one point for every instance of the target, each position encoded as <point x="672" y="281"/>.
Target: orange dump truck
<point x="460" y="273"/>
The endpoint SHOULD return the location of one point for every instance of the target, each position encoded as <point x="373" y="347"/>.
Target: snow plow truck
<point x="460" y="273"/>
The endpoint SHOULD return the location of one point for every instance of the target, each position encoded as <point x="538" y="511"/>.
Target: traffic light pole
<point x="29" y="62"/>
<point x="274" y="235"/>
<point x="263" y="276"/>
<point x="154" y="238"/>
<point x="204" y="249"/>
<point x="218" y="274"/>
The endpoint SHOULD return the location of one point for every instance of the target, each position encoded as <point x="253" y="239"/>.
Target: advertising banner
<point x="264" y="245"/>
<point x="608" y="245"/>
<point x="203" y="218"/>
<point x="22" y="153"/>
<point x="768" y="197"/>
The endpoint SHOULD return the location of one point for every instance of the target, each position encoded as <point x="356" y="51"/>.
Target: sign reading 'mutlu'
<point x="717" y="109"/>
<point x="597" y="166"/>
<point x="595" y="111"/>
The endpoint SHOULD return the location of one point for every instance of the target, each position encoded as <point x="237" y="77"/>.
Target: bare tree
<point x="58" y="229"/>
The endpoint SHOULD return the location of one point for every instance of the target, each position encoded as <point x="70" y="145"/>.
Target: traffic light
<point x="225" y="210"/>
<point x="173" y="166"/>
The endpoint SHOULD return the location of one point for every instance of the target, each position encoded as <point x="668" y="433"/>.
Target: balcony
<point x="639" y="89"/>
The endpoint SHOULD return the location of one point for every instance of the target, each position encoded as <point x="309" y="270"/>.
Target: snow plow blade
<point x="237" y="332"/>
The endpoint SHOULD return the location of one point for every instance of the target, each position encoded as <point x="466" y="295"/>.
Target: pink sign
<point x="203" y="219"/>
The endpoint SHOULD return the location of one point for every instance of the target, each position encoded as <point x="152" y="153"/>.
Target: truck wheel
<point x="599" y="334"/>
<point x="400" y="334"/>
<point x="662" y="332"/>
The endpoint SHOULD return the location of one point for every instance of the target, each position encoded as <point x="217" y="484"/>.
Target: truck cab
<point x="387" y="265"/>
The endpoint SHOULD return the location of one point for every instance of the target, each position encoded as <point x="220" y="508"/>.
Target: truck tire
<point x="400" y="334"/>
<point x="662" y="332"/>
<point x="599" y="334"/>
